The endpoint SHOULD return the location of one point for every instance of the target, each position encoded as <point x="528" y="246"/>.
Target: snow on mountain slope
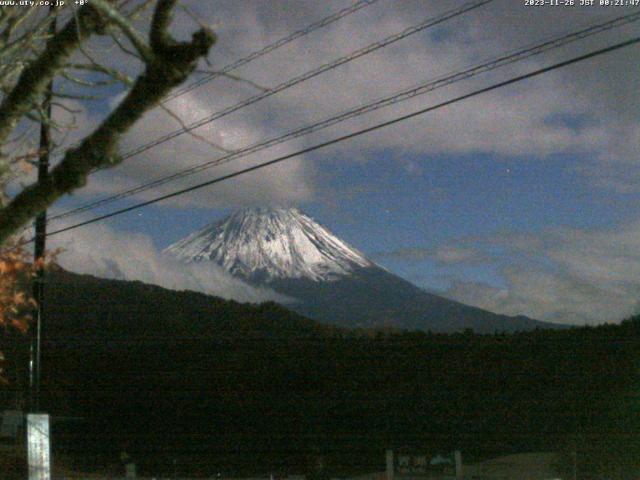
<point x="331" y="282"/>
<point x="271" y="243"/>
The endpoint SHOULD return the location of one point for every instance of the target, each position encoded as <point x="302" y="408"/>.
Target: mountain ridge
<point x="333" y="282"/>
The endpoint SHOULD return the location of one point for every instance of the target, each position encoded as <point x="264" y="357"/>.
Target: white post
<point x="130" y="471"/>
<point x="389" y="455"/>
<point x="457" y="455"/>
<point x="38" y="446"/>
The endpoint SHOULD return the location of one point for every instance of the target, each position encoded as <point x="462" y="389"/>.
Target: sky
<point x="524" y="200"/>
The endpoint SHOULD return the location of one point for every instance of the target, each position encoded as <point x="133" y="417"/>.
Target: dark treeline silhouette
<point x="222" y="387"/>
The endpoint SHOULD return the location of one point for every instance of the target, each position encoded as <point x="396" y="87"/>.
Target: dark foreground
<point x="183" y="382"/>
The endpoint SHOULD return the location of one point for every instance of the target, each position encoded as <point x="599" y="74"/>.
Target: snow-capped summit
<point x="269" y="244"/>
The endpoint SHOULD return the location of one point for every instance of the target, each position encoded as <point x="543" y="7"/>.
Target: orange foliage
<point x="16" y="299"/>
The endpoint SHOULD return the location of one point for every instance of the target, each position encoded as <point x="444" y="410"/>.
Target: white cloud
<point x="568" y="276"/>
<point x="452" y="254"/>
<point x="101" y="251"/>
<point x="513" y="121"/>
<point x="286" y="183"/>
<point x="443" y="255"/>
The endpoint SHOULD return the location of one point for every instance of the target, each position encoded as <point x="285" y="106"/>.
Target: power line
<point x="505" y="59"/>
<point x="273" y="46"/>
<point x="307" y="76"/>
<point x="360" y="4"/>
<point x="430" y="22"/>
<point x="40" y="224"/>
<point x="342" y="138"/>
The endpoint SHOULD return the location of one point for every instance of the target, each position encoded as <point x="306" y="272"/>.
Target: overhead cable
<point x="403" y="95"/>
<point x="430" y="22"/>
<point x="342" y="138"/>
<point x="271" y="47"/>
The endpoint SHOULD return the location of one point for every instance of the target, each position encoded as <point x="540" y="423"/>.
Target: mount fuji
<point x="331" y="281"/>
<point x="261" y="244"/>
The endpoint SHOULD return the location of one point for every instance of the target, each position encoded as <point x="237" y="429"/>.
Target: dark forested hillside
<point x="235" y="388"/>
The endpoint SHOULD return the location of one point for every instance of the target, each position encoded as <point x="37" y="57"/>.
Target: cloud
<point x="284" y="184"/>
<point x="445" y="255"/>
<point x="565" y="275"/>
<point x="452" y="255"/>
<point x="617" y="168"/>
<point x="590" y="111"/>
<point x="101" y="251"/>
<point x="513" y="121"/>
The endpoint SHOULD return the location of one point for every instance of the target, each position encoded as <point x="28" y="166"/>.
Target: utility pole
<point x="37" y="423"/>
<point x="40" y="241"/>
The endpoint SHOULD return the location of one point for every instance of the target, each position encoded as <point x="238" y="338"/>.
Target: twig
<point x="35" y="77"/>
<point x="125" y="26"/>
<point x="177" y="118"/>
<point x="173" y="63"/>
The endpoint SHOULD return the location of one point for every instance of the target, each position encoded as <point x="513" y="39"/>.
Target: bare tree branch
<point x="159" y="34"/>
<point x="87" y="83"/>
<point x="191" y="133"/>
<point x="170" y="63"/>
<point x="35" y="77"/>
<point x="109" y="72"/>
<point x="131" y="33"/>
<point x="122" y="47"/>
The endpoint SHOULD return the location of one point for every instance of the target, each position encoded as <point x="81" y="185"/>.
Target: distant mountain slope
<point x="289" y="252"/>
<point x="373" y="297"/>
